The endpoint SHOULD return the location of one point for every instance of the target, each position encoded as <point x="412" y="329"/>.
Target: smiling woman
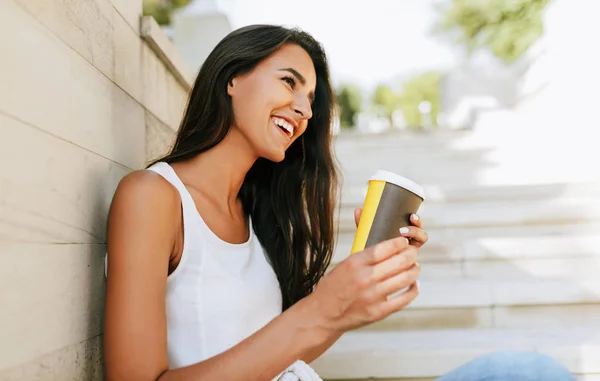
<point x="235" y="224"/>
<point x="217" y="251"/>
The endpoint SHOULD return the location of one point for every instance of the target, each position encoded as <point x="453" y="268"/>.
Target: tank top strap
<point x="188" y="208"/>
<point x="166" y="171"/>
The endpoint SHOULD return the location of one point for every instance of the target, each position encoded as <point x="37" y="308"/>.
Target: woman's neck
<point x="220" y="172"/>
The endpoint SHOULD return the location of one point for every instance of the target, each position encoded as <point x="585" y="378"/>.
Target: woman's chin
<point x="275" y="156"/>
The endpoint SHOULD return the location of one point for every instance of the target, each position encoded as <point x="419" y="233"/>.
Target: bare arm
<point x="144" y="225"/>
<point x="142" y="229"/>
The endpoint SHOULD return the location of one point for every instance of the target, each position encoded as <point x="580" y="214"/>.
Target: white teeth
<point x="284" y="124"/>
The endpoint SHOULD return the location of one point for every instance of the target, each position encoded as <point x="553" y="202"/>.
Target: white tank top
<point x="220" y="293"/>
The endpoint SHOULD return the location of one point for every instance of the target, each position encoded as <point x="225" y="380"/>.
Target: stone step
<point x="578" y="377"/>
<point x="516" y="258"/>
<point x="517" y="269"/>
<point x="499" y="213"/>
<point x="475" y="172"/>
<point x="376" y="155"/>
<point x="352" y="152"/>
<point x="497" y="243"/>
<point x="430" y="354"/>
<point x="354" y="196"/>
<point x="406" y="139"/>
<point x="443" y="304"/>
<point x="464" y="168"/>
<point x="447" y="173"/>
<point x="478" y="157"/>
<point x="426" y="165"/>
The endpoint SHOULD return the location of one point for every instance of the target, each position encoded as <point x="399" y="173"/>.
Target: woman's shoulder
<point x="148" y="192"/>
<point x="148" y="184"/>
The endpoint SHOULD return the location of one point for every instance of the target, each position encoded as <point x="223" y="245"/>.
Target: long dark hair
<point x="291" y="203"/>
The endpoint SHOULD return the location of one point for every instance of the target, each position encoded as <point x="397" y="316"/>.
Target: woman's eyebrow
<point x="301" y="79"/>
<point x="296" y="74"/>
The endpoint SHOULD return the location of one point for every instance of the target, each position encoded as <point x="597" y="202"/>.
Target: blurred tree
<point x="349" y="99"/>
<point x="506" y="27"/>
<point x="162" y="10"/>
<point x="385" y="99"/>
<point x="425" y="87"/>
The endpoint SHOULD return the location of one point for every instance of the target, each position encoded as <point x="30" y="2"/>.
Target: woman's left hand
<point x="415" y="233"/>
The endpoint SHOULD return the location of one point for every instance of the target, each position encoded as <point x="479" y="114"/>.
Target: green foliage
<point x="425" y="87"/>
<point x="506" y="27"/>
<point x="385" y="99"/>
<point x="349" y="99"/>
<point x="162" y="10"/>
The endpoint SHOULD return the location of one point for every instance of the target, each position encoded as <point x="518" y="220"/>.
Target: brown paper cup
<point x="389" y="202"/>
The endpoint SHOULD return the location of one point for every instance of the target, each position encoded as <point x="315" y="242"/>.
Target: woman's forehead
<point x="293" y="56"/>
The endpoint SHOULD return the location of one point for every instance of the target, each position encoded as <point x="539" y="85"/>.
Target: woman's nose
<point x="303" y="107"/>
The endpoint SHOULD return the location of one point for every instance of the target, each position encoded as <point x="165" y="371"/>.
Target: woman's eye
<point x="290" y="81"/>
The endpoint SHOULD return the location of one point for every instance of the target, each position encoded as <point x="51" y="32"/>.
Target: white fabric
<point x="299" y="371"/>
<point x="220" y="293"/>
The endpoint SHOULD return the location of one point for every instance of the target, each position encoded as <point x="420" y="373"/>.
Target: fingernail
<point x="415" y="217"/>
<point x="403" y="230"/>
<point x="418" y="284"/>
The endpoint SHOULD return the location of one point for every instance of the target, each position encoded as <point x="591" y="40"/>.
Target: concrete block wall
<point x="84" y="99"/>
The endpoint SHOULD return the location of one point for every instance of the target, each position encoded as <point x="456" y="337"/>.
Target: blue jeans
<point x="510" y="366"/>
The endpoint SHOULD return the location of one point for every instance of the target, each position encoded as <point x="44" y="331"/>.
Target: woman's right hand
<point x="359" y="290"/>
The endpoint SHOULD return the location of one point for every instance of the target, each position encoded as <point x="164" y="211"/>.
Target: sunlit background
<point x="391" y="55"/>
<point x="491" y="105"/>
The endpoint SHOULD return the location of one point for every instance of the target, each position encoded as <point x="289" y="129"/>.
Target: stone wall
<point x="87" y="94"/>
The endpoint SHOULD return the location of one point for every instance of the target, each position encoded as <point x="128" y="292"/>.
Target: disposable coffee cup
<point x="389" y="202"/>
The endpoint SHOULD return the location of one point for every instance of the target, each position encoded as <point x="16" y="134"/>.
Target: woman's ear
<point x="231" y="86"/>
